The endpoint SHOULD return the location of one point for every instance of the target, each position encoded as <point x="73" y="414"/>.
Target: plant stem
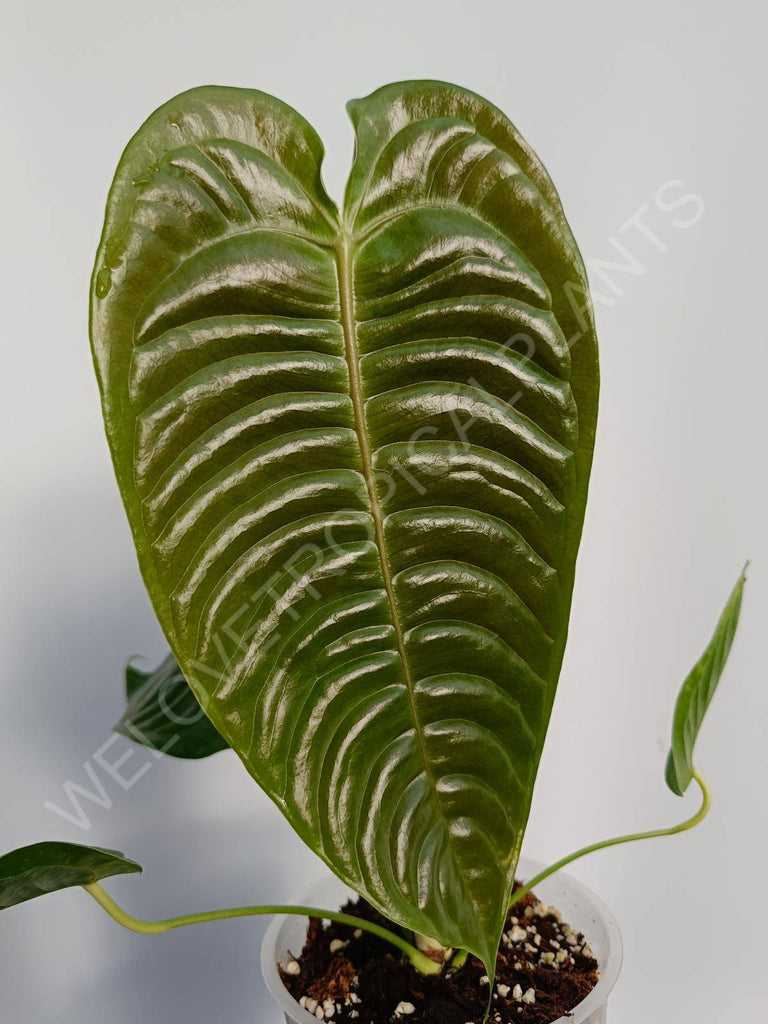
<point x="673" y="830"/>
<point x="459" y="959"/>
<point x="420" y="961"/>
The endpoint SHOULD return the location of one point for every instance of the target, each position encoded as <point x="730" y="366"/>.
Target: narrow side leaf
<point x="163" y="713"/>
<point x="697" y="692"/>
<point x="41" y="868"/>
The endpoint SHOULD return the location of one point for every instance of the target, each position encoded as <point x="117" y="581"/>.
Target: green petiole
<point x="706" y="802"/>
<point x="618" y="840"/>
<point x="419" y="960"/>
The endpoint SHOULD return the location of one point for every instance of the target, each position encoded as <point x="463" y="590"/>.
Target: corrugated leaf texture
<point x="354" y="451"/>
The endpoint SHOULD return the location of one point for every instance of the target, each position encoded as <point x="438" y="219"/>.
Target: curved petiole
<point x="419" y="960"/>
<point x="699" y="816"/>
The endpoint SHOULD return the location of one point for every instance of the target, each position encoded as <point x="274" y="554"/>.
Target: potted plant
<point x="354" y="450"/>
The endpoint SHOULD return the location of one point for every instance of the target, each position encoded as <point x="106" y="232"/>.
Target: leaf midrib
<point x="348" y="320"/>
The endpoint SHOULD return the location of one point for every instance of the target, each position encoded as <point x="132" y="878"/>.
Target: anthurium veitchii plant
<point x="354" y="448"/>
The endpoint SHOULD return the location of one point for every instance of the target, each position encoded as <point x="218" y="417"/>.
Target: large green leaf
<point x="41" y="868"/>
<point x="162" y="713"/>
<point x="697" y="692"/>
<point x="354" y="452"/>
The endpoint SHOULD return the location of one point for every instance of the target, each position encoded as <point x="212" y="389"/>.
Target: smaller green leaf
<point x="163" y="713"/>
<point x="47" y="867"/>
<point x="697" y="692"/>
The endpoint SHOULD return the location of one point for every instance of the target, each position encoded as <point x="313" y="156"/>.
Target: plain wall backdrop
<point x="631" y="108"/>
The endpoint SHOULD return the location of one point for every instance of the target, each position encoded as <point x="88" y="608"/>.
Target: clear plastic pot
<point x="579" y="906"/>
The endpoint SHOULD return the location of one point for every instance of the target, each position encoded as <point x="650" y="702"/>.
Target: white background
<point x="618" y="101"/>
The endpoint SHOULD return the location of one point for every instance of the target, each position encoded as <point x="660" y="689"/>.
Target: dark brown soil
<point x="543" y="970"/>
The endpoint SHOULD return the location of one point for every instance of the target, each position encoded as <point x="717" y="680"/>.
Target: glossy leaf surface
<point x="697" y="692"/>
<point x="41" y="868"/>
<point x="162" y="713"/>
<point x="354" y="451"/>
